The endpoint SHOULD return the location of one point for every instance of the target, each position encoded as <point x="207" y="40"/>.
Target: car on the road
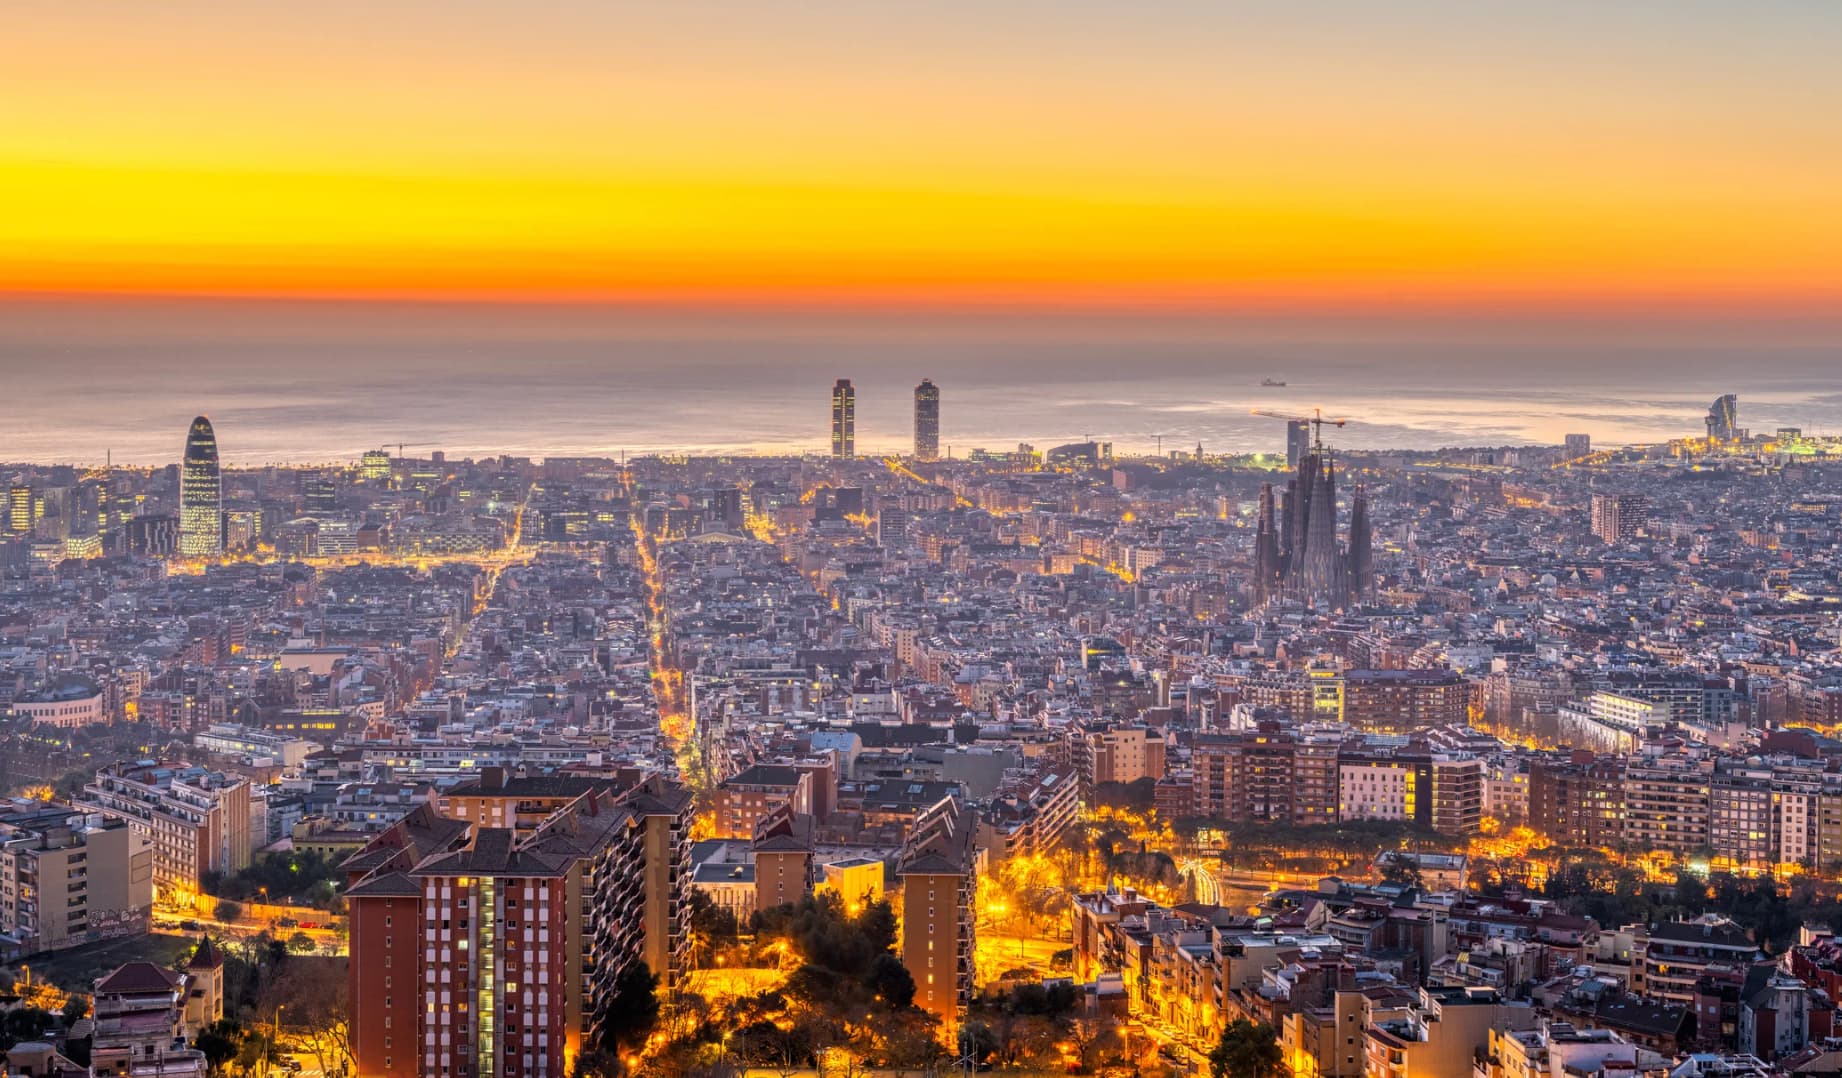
<point x="309" y="924"/>
<point x="286" y="922"/>
<point x="190" y="926"/>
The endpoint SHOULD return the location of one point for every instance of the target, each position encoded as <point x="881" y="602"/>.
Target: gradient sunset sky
<point x="1657" y="155"/>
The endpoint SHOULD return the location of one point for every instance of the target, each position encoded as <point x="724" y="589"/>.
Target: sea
<point x="85" y="380"/>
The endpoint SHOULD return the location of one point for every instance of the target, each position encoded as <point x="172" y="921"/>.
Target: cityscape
<point x="828" y="539"/>
<point x="1319" y="761"/>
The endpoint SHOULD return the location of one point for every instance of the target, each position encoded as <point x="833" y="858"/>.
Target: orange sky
<point x="1073" y="154"/>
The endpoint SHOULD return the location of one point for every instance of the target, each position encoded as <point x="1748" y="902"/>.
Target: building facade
<point x="843" y="420"/>
<point x="939" y="873"/>
<point x="67" y="878"/>
<point x="195" y="820"/>
<point x="201" y="494"/>
<point x="499" y="952"/>
<point x="927" y="421"/>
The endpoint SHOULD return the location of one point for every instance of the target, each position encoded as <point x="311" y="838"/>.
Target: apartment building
<point x="1402" y="701"/>
<point x="67" y="878"/>
<point x="938" y="868"/>
<point x="783" y="858"/>
<point x="1247" y="774"/>
<point x="196" y="820"/>
<point x="749" y="794"/>
<point x="1667" y="800"/>
<point x="1271" y="771"/>
<point x="664" y="812"/>
<point x="1578" y="800"/>
<point x="500" y="799"/>
<point x="1383" y="787"/>
<point x="1740" y="814"/>
<point x="1119" y="753"/>
<point x="1030" y="815"/>
<point x="1442" y="1033"/>
<point x="1667" y="959"/>
<point x="494" y="951"/>
<point x="1458" y="794"/>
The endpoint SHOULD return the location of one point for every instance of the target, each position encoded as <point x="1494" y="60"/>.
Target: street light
<point x="274" y="1038"/>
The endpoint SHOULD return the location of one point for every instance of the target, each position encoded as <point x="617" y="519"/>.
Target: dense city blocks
<point x="1382" y="764"/>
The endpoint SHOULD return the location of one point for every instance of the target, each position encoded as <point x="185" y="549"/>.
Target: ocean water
<point x="311" y="383"/>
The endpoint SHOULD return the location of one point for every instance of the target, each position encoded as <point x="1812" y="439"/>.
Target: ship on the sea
<point x="1270" y="382"/>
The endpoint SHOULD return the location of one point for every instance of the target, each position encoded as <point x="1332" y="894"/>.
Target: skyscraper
<point x="843" y="420"/>
<point x="1578" y="445"/>
<point x="1723" y="418"/>
<point x="319" y="494"/>
<point x="374" y="466"/>
<point x="927" y="421"/>
<point x="21" y="514"/>
<point x="201" y="494"/>
<point x="1298" y="441"/>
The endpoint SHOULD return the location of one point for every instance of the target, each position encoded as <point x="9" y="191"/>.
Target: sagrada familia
<point x="1297" y="557"/>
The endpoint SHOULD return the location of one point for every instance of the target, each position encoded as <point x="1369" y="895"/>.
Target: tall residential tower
<point x="201" y="494"/>
<point x="927" y="421"/>
<point x="843" y="420"/>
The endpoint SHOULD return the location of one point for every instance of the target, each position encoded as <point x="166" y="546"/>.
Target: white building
<point x="72" y="700"/>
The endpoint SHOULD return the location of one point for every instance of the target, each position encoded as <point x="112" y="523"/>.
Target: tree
<point x="1246" y="1050"/>
<point x="315" y="993"/>
<point x="301" y="943"/>
<point x="598" y="1065"/>
<point x="635" y="1009"/>
<point x="892" y="982"/>
<point x="1088" y="1035"/>
<point x="220" y="1042"/>
<point x="23" y="1024"/>
<point x="1402" y="871"/>
<point x="77" y="1006"/>
<point x="227" y="910"/>
<point x="324" y="894"/>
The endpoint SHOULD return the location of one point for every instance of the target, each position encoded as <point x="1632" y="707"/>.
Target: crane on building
<point x="1316" y="419"/>
<point x="405" y="445"/>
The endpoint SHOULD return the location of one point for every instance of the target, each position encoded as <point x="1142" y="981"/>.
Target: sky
<point x="1652" y="157"/>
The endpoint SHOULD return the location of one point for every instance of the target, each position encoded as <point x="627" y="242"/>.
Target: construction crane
<point x="1316" y="419"/>
<point x="405" y="445"/>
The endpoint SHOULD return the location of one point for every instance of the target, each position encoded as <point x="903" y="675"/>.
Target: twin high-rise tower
<point x="201" y="494"/>
<point x="1296" y="552"/>
<point x="927" y="421"/>
<point x="844" y="420"/>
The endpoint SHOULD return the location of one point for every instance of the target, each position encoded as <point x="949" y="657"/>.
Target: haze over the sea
<point x="321" y="382"/>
